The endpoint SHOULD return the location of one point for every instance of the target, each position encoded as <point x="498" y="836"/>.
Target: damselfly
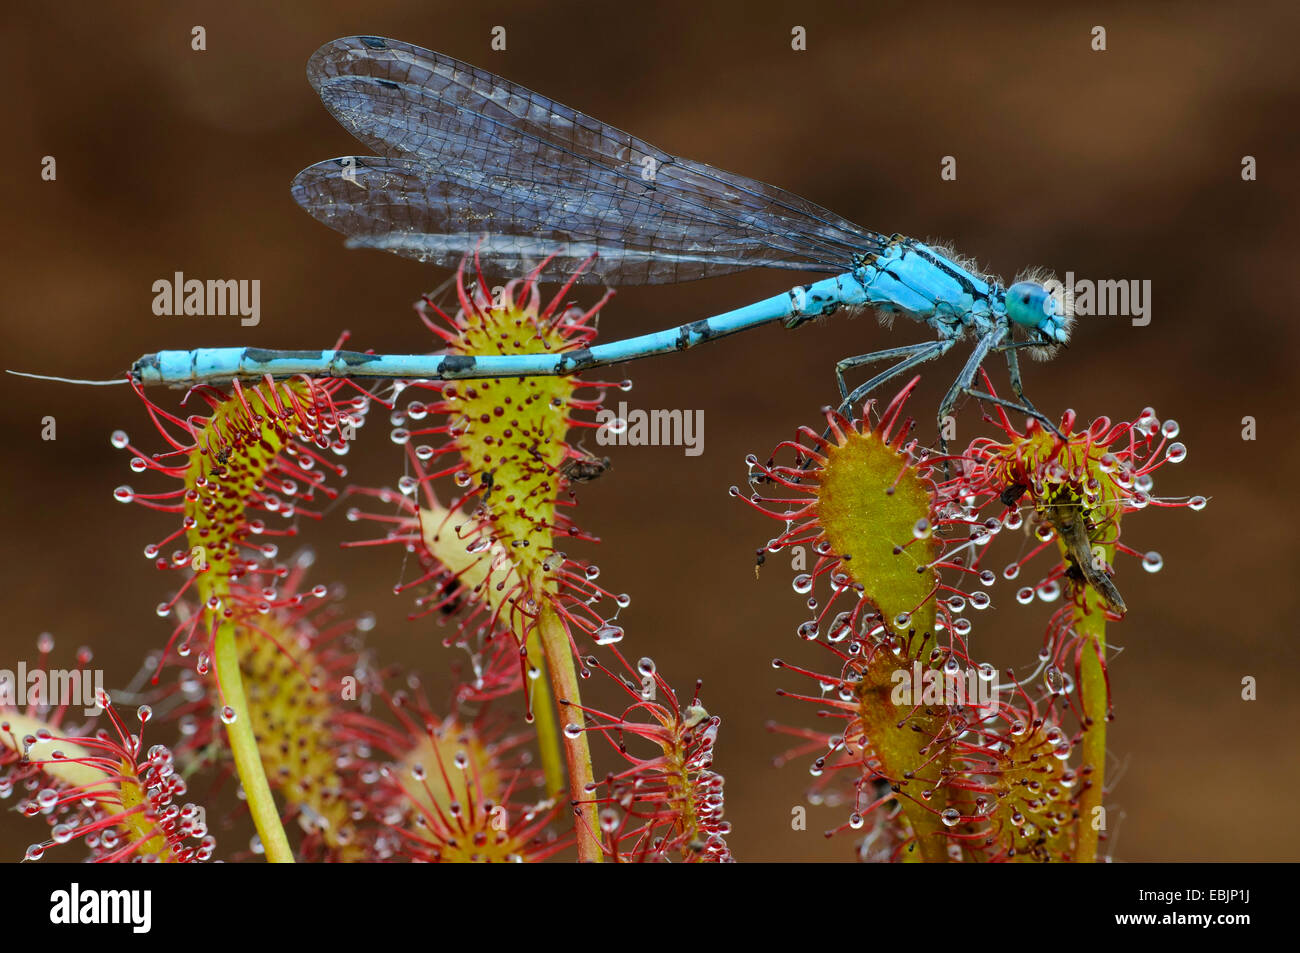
<point x="469" y="163"/>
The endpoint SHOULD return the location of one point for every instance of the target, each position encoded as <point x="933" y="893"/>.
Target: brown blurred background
<point x="1120" y="164"/>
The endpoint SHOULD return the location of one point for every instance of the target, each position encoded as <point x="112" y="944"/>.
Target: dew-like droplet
<point x="1052" y="679"/>
<point x="1153" y="562"/>
<point x="609" y="634"/>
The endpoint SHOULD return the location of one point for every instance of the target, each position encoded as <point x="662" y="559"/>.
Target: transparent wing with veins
<point x="467" y="160"/>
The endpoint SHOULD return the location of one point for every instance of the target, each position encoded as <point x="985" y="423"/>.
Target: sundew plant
<point x="264" y="722"/>
<point x="924" y="751"/>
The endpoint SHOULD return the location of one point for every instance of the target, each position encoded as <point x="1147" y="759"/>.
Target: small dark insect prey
<point x="488" y="482"/>
<point x="1012" y="494"/>
<point x="453" y="604"/>
<point x="1071" y="526"/>
<point x="223" y="455"/>
<point x="584" y="469"/>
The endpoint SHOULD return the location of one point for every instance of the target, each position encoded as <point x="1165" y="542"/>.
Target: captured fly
<point x="585" y="468"/>
<point x="1071" y="525"/>
<point x="1012" y="494"/>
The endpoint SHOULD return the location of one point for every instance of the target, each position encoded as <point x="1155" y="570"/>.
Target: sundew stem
<point x="896" y="746"/>
<point x="549" y="743"/>
<point x="1090" y="623"/>
<point x="243" y="743"/>
<point x="564" y="681"/>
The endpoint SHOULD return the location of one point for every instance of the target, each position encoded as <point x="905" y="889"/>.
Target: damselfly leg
<point x="1022" y="403"/>
<point x="964" y="380"/>
<point x="915" y="354"/>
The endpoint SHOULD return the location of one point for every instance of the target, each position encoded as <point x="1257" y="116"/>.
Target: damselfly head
<point x="1038" y="302"/>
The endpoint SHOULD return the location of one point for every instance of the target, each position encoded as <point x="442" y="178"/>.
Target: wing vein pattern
<point x="465" y="160"/>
